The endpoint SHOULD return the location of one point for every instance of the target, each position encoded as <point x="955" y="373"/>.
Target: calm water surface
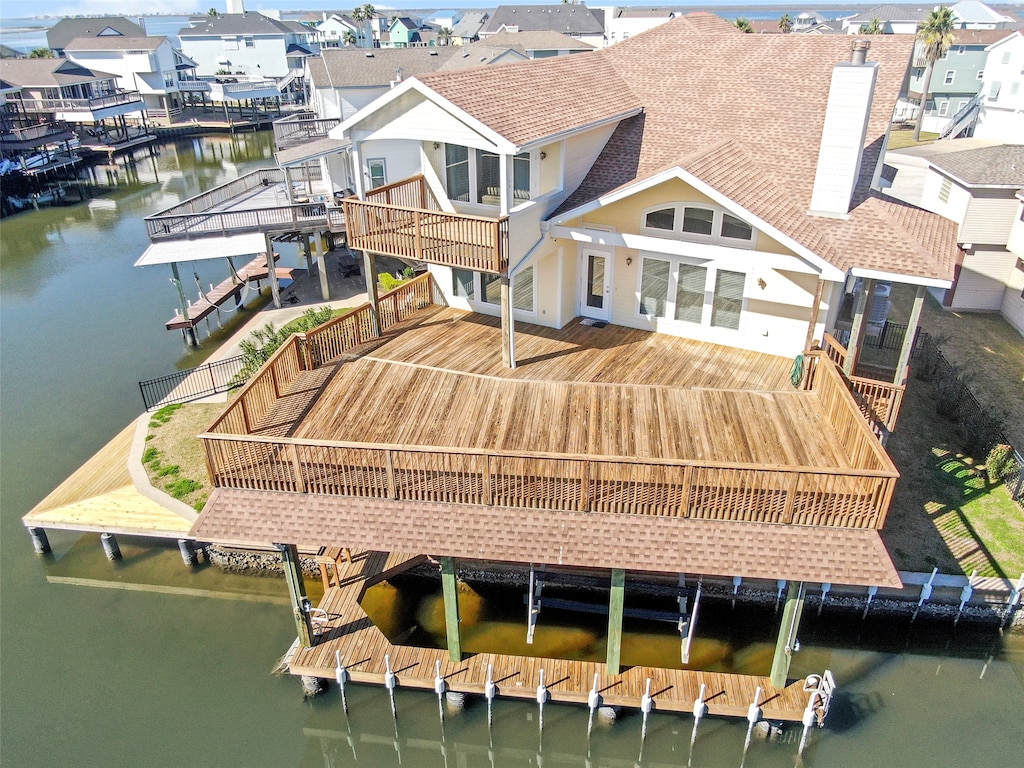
<point x="148" y="664"/>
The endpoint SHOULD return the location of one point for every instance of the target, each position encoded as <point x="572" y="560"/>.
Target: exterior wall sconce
<point x="543" y="155"/>
<point x="629" y="261"/>
<point x="437" y="145"/>
<point x="761" y="283"/>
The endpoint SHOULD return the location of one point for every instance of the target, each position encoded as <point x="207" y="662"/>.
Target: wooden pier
<point x="362" y="647"/>
<point x="219" y="295"/>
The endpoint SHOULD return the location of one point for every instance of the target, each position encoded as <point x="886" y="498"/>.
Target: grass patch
<point x="905" y="138"/>
<point x="174" y="458"/>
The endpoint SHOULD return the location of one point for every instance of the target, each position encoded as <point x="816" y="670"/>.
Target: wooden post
<point x="297" y="592"/>
<point x="903" y="364"/>
<point x="616" y="603"/>
<point x="812" y="324"/>
<point x="370" y="272"/>
<point x="857" y="330"/>
<point x="190" y="336"/>
<point x="506" y="321"/>
<point x="275" y="289"/>
<point x="321" y="264"/>
<point x="787" y="633"/>
<point x="450" y="588"/>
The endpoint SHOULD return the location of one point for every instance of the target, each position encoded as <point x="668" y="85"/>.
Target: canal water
<point x="148" y="664"/>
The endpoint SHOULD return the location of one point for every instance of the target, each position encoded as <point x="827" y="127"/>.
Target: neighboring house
<point x="66" y="30"/>
<point x="404" y="32"/>
<point x="806" y="20"/>
<point x="150" y="65"/>
<point x="586" y="24"/>
<point x="980" y="190"/>
<point x="59" y="89"/>
<point x="467" y="30"/>
<point x="956" y="77"/>
<point x="535" y="45"/>
<point x="622" y="23"/>
<point x="446" y="18"/>
<point x="825" y="28"/>
<point x="1001" y="109"/>
<point x="905" y="19"/>
<point x="252" y="45"/>
<point x="331" y="32"/>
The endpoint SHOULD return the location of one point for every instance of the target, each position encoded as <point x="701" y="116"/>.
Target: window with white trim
<point x="944" y="109"/>
<point x="1006" y="57"/>
<point x="950" y="75"/>
<point x="474" y="175"/>
<point x="378" y="172"/>
<point x="675" y="288"/>
<point x="485" y="287"/>
<point x="700" y="222"/>
<point x="993" y="93"/>
<point x="981" y="74"/>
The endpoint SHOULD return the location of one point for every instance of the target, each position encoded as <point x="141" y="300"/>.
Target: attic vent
<point x="433" y="53"/>
<point x="368" y="55"/>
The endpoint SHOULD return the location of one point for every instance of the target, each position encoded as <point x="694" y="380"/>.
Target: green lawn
<point x="903" y="138"/>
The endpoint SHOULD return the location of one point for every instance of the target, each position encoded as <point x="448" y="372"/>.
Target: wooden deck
<point x="362" y="647"/>
<point x="220" y="294"/>
<point x="100" y="496"/>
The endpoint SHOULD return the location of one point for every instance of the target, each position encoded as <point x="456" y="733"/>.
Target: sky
<point x="11" y="9"/>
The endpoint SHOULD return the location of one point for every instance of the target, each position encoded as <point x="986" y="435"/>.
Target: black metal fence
<point x="192" y="384"/>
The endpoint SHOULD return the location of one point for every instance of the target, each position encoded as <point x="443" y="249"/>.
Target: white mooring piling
<point x="872" y="591"/>
<point x="40" y="544"/>
<point x="110" y="548"/>
<point x="781" y="584"/>
<point x="1013" y="601"/>
<point x="736" y="581"/>
<point x="593" y="702"/>
<point x="390" y="681"/>
<point x="490" y="691"/>
<point x="542" y="696"/>
<point x="341" y="676"/>
<point x="965" y="595"/>
<point x="926" y="592"/>
<point x="825" y="589"/>
<point x="440" y="687"/>
<point x="646" y="705"/>
<point x="808" y="719"/>
<point x="753" y="716"/>
<point x="188" y="553"/>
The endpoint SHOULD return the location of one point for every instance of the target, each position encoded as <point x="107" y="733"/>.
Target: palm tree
<point x="213" y="12"/>
<point x="785" y="24"/>
<point x="935" y="36"/>
<point x="874" y="27"/>
<point x="41" y="53"/>
<point x="444" y="35"/>
<point x="349" y="37"/>
<point x="743" y="25"/>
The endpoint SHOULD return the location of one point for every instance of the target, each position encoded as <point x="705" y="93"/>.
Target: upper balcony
<point x="96" y="108"/>
<point x="296" y="130"/>
<point x="256" y="202"/>
<point x="593" y="420"/>
<point x="404" y="220"/>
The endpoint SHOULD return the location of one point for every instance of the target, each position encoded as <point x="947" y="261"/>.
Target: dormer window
<point x="700" y="223"/>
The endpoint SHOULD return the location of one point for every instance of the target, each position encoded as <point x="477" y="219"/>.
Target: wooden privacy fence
<point x="308" y="351"/>
<point x="857" y="496"/>
<point x="402" y="220"/>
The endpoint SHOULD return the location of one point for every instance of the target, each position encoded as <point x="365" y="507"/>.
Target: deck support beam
<point x="297" y="592"/>
<point x="450" y="589"/>
<point x="616" y="604"/>
<point x="370" y="273"/>
<point x="812" y="323"/>
<point x="857" y="329"/>
<point x="903" y="364"/>
<point x="188" y="333"/>
<point x="275" y="288"/>
<point x="787" y="633"/>
<point x="321" y="264"/>
<point x="506" y="321"/>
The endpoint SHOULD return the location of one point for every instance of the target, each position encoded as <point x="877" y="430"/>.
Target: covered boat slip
<point x="350" y="636"/>
<point x="592" y="420"/>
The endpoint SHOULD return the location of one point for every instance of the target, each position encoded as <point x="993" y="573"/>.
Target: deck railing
<point x="295" y="130"/>
<point x="403" y="220"/>
<point x="857" y="496"/>
<point x="116" y="99"/>
<point x="879" y="401"/>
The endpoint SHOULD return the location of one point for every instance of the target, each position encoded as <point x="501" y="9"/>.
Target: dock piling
<point x="188" y="554"/>
<point x="110" y="548"/>
<point x="926" y="592"/>
<point x="646" y="705"/>
<point x="390" y="681"/>
<point x="872" y="591"/>
<point x="965" y="595"/>
<point x="341" y="675"/>
<point x="40" y="543"/>
<point x="1013" y="601"/>
<point x="593" y="702"/>
<point x="542" y="696"/>
<point x="825" y="589"/>
<point x="490" y="691"/>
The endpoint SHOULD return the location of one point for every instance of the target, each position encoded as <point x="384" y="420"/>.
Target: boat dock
<point x="216" y="297"/>
<point x="345" y="632"/>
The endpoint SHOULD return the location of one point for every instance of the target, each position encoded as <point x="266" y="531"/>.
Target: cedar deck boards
<point x="362" y="647"/>
<point x="607" y="391"/>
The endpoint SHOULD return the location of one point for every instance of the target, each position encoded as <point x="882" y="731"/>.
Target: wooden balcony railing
<point x="296" y="130"/>
<point x="95" y="103"/>
<point x="879" y="401"/>
<point x="857" y="496"/>
<point x="403" y="220"/>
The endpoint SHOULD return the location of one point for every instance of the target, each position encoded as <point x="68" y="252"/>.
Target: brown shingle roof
<point x="668" y="545"/>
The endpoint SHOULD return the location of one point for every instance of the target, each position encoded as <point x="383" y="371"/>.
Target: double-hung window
<point x="474" y="176"/>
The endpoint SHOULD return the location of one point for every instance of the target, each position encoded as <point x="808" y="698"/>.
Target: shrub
<point x="999" y="462"/>
<point x="182" y="487"/>
<point x="150" y="454"/>
<point x="408" y="273"/>
<point x="388" y="281"/>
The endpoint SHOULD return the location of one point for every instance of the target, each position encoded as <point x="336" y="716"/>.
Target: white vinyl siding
<point x="522" y="290"/>
<point x="988" y="220"/>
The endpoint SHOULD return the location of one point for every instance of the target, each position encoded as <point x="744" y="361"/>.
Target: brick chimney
<point x="842" y="138"/>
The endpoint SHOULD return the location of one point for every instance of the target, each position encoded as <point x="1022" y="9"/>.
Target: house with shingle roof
<point x="151" y="65"/>
<point x="66" y="30"/>
<point x="467" y="30"/>
<point x="661" y="235"/>
<point x="579" y="21"/>
<point x="982" y="190"/>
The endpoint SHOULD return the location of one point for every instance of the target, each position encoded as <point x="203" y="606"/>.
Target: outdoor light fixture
<point x="543" y="155"/>
<point x="629" y="261"/>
